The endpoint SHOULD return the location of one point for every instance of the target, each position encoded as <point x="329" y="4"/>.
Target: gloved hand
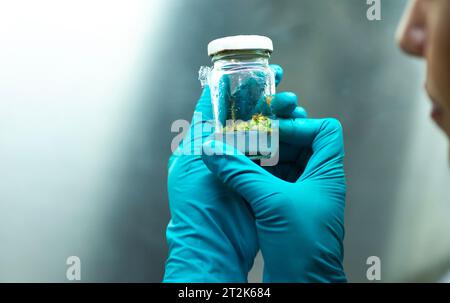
<point x="212" y="234"/>
<point x="298" y="204"/>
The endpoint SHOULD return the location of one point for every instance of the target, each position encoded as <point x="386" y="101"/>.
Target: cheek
<point x="438" y="58"/>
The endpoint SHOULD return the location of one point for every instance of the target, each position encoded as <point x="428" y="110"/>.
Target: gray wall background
<point x="88" y="93"/>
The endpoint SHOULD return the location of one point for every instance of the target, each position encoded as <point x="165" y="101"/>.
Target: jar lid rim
<point x="240" y="42"/>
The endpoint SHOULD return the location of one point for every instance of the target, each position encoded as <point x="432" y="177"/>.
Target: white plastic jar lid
<point x="239" y="43"/>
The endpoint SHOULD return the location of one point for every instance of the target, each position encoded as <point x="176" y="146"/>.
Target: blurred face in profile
<point x="425" y="32"/>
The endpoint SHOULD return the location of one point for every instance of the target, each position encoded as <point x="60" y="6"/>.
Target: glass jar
<point x="242" y="84"/>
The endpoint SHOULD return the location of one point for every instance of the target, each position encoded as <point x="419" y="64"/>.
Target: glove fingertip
<point x="299" y="112"/>
<point x="283" y="104"/>
<point x="278" y="71"/>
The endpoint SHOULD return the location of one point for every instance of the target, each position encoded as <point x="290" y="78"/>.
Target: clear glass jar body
<point x="242" y="84"/>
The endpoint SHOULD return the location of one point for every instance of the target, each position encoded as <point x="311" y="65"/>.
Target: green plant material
<point x="258" y="122"/>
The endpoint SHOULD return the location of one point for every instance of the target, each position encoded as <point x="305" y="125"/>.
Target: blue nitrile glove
<point x="299" y="204"/>
<point x="212" y="234"/>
